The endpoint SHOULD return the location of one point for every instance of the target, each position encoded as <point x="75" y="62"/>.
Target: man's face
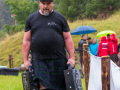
<point x="46" y="7"/>
<point x="108" y="36"/>
<point x="89" y="40"/>
<point x="85" y="37"/>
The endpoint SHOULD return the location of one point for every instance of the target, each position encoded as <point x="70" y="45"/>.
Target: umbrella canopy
<point x="83" y="30"/>
<point x="104" y="33"/>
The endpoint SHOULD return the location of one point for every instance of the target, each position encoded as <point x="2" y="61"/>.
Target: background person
<point x="113" y="48"/>
<point x="80" y="45"/>
<point x="89" y="40"/>
<point x="93" y="48"/>
<point x="103" y="49"/>
<point x="108" y="38"/>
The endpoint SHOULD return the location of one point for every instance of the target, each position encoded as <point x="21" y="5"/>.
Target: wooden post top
<point x="85" y="44"/>
<point x="105" y="57"/>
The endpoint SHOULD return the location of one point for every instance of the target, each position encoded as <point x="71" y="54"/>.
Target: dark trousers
<point x="81" y="60"/>
<point x="114" y="58"/>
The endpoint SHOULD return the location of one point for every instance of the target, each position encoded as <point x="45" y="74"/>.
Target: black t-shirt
<point x="47" y="40"/>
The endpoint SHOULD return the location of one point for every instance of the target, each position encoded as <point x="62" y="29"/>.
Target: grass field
<point x="11" y="82"/>
<point x="15" y="83"/>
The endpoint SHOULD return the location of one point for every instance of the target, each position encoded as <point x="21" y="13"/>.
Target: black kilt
<point x="50" y="73"/>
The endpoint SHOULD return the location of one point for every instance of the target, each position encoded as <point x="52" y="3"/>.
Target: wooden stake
<point x="12" y="62"/>
<point x="9" y="61"/>
<point x="105" y="73"/>
<point x="86" y="63"/>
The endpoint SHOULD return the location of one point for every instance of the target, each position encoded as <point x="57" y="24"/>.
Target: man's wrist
<point x="73" y="58"/>
<point x="25" y="60"/>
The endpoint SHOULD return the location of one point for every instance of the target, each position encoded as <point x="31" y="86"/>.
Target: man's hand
<point x="72" y="62"/>
<point x="26" y="64"/>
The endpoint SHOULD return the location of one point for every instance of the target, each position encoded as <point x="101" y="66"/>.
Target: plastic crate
<point x="9" y="71"/>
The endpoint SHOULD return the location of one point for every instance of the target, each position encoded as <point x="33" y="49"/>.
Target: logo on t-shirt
<point x="51" y="24"/>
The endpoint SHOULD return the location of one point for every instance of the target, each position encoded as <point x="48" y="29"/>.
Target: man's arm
<point x="70" y="48"/>
<point x="26" y="48"/>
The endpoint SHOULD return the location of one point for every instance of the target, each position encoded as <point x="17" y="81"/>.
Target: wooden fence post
<point x="105" y="61"/>
<point x="10" y="61"/>
<point x="86" y="63"/>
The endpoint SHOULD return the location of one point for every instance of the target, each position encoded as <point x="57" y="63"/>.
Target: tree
<point x="22" y="9"/>
<point x="73" y="9"/>
<point x="5" y="16"/>
<point x="69" y="8"/>
<point x="95" y="7"/>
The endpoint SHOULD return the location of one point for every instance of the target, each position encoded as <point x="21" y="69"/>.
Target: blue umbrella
<point x="83" y="30"/>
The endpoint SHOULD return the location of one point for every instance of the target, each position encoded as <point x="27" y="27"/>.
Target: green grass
<point x="15" y="82"/>
<point x="11" y="82"/>
<point x="12" y="45"/>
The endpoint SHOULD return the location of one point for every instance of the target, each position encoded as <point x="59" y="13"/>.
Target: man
<point x="108" y="38"/>
<point x="113" y="48"/>
<point x="47" y="34"/>
<point x="89" y="40"/>
<point x="80" y="45"/>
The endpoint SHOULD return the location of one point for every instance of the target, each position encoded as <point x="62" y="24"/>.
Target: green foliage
<point x="5" y="16"/>
<point x="13" y="29"/>
<point x="73" y="9"/>
<point x="22" y="8"/>
<point x="69" y="8"/>
<point x="2" y="34"/>
<point x="94" y="7"/>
